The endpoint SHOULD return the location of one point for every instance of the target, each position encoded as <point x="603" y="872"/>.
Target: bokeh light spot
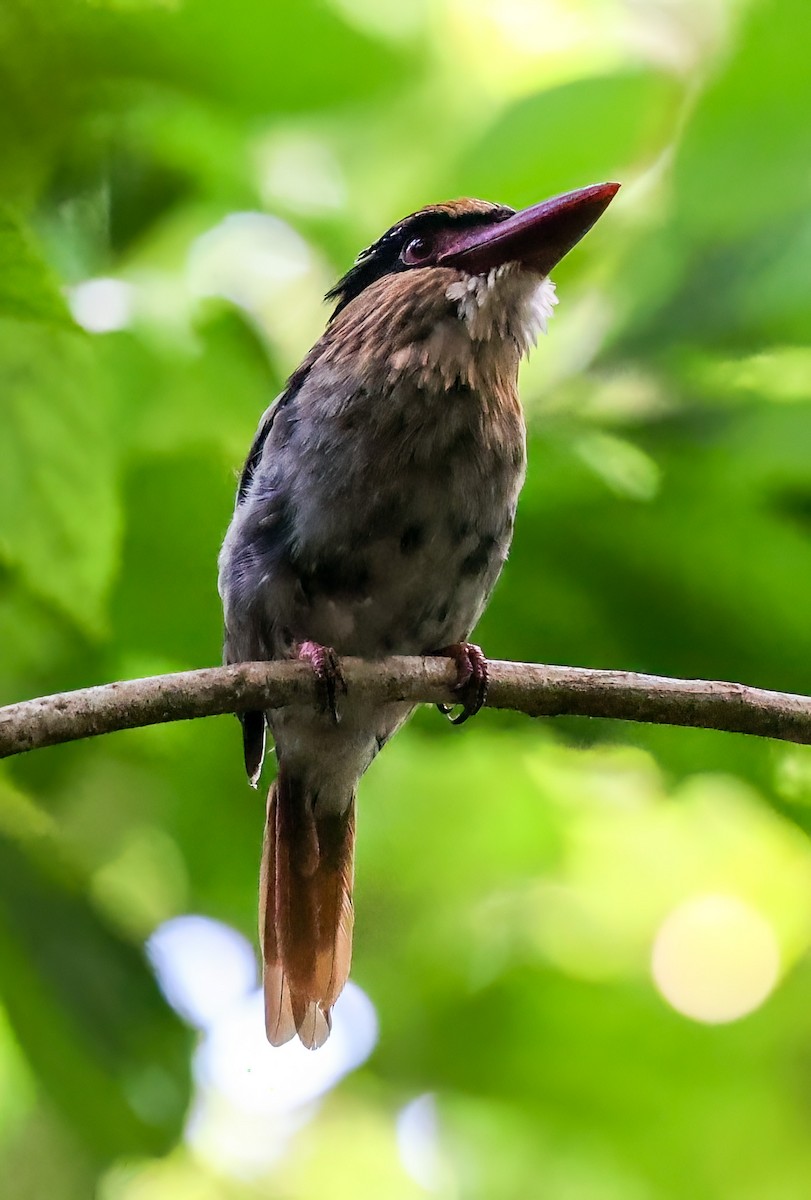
<point x="715" y="959"/>
<point x="203" y="967"/>
<point x="101" y="305"/>
<point x="419" y="1144"/>
<point x="302" y="172"/>
<point x="253" y="1097"/>
<point x="238" y="1062"/>
<point x="246" y="258"/>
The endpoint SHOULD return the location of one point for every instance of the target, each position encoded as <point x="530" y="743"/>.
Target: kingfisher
<point x="373" y="517"/>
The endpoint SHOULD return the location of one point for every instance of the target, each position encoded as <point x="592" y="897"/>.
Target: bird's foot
<point x="327" y="670"/>
<point x="471" y="680"/>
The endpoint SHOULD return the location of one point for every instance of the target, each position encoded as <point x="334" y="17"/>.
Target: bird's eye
<point x="417" y="251"/>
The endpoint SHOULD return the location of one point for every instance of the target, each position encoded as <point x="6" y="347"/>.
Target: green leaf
<point x="569" y="136"/>
<point x="239" y="54"/>
<point x="731" y="267"/>
<point x="59" y="512"/>
<point x="82" y="1001"/>
<point x="743" y="161"/>
<point x="28" y="289"/>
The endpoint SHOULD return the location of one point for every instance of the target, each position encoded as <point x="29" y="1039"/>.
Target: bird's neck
<point x="447" y="358"/>
<point x="441" y="329"/>
<point x="490" y="322"/>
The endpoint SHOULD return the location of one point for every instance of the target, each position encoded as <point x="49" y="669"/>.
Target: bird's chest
<point x="403" y="519"/>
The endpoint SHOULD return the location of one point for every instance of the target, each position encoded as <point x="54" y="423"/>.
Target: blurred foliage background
<point x="582" y="950"/>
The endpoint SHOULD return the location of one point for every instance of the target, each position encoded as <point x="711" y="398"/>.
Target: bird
<point x="373" y="516"/>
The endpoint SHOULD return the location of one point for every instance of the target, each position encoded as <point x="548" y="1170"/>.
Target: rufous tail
<point x="305" y="910"/>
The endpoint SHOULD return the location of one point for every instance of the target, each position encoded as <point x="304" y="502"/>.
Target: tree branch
<point x="538" y="691"/>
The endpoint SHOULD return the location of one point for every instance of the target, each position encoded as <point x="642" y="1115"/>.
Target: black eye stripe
<point x="388" y="254"/>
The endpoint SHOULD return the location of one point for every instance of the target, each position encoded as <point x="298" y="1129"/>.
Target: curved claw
<point x="327" y="669"/>
<point x="471" y="680"/>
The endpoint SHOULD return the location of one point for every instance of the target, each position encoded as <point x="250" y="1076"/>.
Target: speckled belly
<point x="410" y="589"/>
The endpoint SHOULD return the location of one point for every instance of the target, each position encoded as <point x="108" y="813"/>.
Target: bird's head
<point x="463" y="280"/>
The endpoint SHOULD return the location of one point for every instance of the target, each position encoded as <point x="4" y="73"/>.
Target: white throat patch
<point x="507" y="302"/>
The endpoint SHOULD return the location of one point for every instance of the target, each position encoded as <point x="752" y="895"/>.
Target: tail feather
<point x="306" y="912"/>
<point x="334" y="950"/>
<point x="279" y="1022"/>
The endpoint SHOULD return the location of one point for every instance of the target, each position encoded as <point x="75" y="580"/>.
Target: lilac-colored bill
<point x="537" y="237"/>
